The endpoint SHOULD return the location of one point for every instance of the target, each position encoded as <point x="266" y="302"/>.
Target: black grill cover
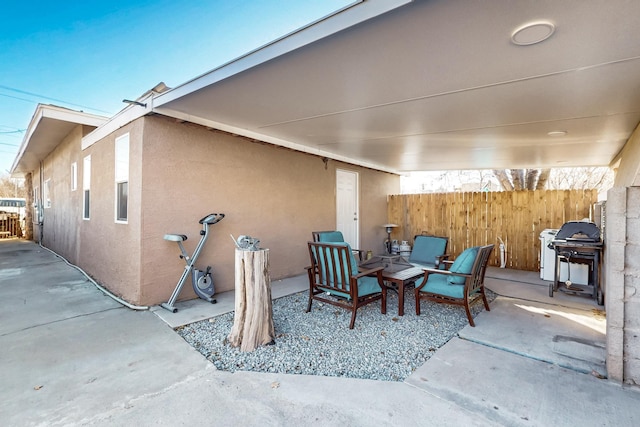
<point x="579" y="231"/>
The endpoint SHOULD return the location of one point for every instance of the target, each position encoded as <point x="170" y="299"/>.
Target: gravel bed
<point x="380" y="347"/>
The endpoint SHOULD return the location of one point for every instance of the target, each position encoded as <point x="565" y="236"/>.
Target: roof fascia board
<point x="33" y="124"/>
<point x="268" y="139"/>
<point x="124" y="117"/>
<point x="55" y="113"/>
<point x="71" y="116"/>
<point x="353" y="14"/>
<point x="342" y="19"/>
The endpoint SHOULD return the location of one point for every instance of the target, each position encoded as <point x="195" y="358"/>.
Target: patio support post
<point x="253" y="321"/>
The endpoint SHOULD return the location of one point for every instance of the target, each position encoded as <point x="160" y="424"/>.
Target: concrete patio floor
<point x="69" y="355"/>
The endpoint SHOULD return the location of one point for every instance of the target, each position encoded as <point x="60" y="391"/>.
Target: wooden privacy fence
<point x="473" y="219"/>
<point x="10" y="225"/>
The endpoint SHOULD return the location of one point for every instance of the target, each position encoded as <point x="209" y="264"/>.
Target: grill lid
<point x="579" y="231"/>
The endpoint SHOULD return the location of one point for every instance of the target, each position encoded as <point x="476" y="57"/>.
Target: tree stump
<point x="253" y="319"/>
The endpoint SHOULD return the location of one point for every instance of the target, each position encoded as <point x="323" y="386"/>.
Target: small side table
<point x="398" y="272"/>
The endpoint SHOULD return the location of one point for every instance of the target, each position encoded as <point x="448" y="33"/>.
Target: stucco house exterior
<point x="270" y="156"/>
<point x="177" y="172"/>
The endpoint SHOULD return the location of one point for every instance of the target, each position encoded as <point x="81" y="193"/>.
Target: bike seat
<point x="175" y="237"/>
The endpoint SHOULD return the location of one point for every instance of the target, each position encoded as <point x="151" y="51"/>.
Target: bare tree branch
<point x="503" y="179"/>
<point x="542" y="179"/>
<point x="517" y="178"/>
<point x="599" y="181"/>
<point x="10" y="187"/>
<point x="599" y="178"/>
<point x="532" y="175"/>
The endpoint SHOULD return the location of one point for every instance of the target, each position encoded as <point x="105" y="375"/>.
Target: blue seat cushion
<point x="426" y="249"/>
<point x="330" y="237"/>
<point x="366" y="286"/>
<point x="438" y="284"/>
<point x="463" y="264"/>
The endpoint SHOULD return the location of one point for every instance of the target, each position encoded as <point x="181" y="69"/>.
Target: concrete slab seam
<point x="451" y="399"/>
<point x="528" y="356"/>
<point x="487" y="410"/>
<point x="538" y="302"/>
<point x="60" y="320"/>
<point x="511" y="280"/>
<point x="128" y="403"/>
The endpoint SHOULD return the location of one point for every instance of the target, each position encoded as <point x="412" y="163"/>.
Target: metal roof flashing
<point x="122" y="118"/>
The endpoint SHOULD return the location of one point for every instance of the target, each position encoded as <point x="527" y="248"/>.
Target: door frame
<point x="356" y="175"/>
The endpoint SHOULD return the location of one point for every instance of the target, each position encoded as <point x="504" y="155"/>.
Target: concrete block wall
<point x="622" y="284"/>
<point x="632" y="289"/>
<point x="613" y="273"/>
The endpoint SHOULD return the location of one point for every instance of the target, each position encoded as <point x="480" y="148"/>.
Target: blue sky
<point x="90" y="55"/>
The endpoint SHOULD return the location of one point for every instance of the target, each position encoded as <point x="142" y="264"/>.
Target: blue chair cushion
<point x="426" y="249"/>
<point x="366" y="285"/>
<point x="327" y="255"/>
<point x="439" y="284"/>
<point x="330" y="237"/>
<point x="463" y="264"/>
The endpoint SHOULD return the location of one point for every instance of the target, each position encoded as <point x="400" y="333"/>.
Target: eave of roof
<point x="49" y="125"/>
<point x="351" y="15"/>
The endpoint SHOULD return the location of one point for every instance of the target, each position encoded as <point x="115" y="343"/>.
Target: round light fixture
<point x="532" y="33"/>
<point x="557" y="133"/>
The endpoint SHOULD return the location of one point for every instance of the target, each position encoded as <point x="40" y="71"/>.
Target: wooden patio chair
<point x="461" y="284"/>
<point x="334" y="271"/>
<point x="334" y="236"/>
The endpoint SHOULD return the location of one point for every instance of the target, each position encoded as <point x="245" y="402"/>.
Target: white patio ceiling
<point x="435" y="85"/>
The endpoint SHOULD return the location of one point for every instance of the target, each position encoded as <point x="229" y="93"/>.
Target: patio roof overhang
<point x="433" y="85"/>
<point x="47" y="129"/>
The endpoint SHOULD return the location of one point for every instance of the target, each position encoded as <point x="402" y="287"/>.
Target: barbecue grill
<point x="578" y="242"/>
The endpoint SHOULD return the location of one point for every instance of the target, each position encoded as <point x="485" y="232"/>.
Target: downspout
<point x="29" y="208"/>
<point x="39" y="211"/>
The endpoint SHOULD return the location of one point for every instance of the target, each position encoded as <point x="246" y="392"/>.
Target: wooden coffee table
<point x="398" y="273"/>
<point x="401" y="279"/>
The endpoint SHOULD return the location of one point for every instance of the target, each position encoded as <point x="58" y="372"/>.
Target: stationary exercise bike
<point x="201" y="280"/>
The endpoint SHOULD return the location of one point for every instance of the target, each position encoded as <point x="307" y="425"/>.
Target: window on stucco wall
<point x="86" y="187"/>
<point x="74" y="176"/>
<point x="122" y="177"/>
<point x="46" y="194"/>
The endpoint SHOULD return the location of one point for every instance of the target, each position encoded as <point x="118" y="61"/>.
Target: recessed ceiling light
<point x="532" y="33"/>
<point x="557" y="133"/>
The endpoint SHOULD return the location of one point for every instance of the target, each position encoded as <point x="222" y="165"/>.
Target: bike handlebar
<point x="212" y="218"/>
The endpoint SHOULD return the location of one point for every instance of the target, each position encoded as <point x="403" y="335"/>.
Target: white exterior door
<point x="347" y="197"/>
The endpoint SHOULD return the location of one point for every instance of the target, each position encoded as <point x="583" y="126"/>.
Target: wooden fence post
<point x="253" y="319"/>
